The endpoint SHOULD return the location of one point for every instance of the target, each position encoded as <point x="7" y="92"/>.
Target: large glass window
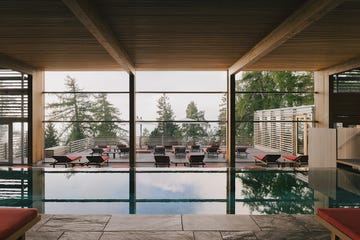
<point x="180" y="109"/>
<point x="86" y="109"/>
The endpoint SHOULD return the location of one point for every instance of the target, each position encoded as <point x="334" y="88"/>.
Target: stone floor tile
<point x="243" y="235"/>
<point x="80" y="223"/>
<point x="81" y="236"/>
<point x="309" y="222"/>
<point x="34" y="235"/>
<point x="278" y="223"/>
<point x="320" y="235"/>
<point x="148" y="235"/>
<point x="219" y="222"/>
<point x="144" y="222"/>
<point x="44" y="219"/>
<point x="209" y="235"/>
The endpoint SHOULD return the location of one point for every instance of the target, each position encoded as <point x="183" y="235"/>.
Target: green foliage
<point x="258" y="83"/>
<point x="166" y="129"/>
<point x="78" y="110"/>
<point x="51" y="136"/>
<point x="103" y="110"/>
<point x="194" y="130"/>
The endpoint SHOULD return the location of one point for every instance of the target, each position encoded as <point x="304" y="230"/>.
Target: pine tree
<point x="73" y="107"/>
<point x="103" y="110"/>
<point x="194" y="130"/>
<point x="51" y="136"/>
<point x="164" y="128"/>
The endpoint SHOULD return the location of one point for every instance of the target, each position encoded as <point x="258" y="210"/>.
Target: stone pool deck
<point x="187" y="227"/>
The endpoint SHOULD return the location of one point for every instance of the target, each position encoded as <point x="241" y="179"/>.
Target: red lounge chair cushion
<point x="143" y="151"/>
<point x="260" y="157"/>
<point x="347" y="220"/>
<point x="73" y="158"/>
<point x="105" y="158"/>
<point x="12" y="219"/>
<point x="290" y="157"/>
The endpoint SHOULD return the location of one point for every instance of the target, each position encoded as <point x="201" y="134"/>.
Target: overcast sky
<point x="150" y="81"/>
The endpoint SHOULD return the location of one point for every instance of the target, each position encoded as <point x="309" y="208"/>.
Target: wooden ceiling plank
<point x="89" y="17"/>
<point x="310" y="12"/>
<point x="16" y="65"/>
<point x="351" y="64"/>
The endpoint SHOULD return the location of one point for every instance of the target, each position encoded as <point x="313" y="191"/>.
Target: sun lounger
<point x="97" y="160"/>
<point x="14" y="222"/>
<point x="66" y="160"/>
<point x="159" y="150"/>
<point x="179" y="151"/>
<point x="196" y="160"/>
<point x="299" y="161"/>
<point x="162" y="160"/>
<point x="342" y="222"/>
<point x="241" y="151"/>
<point x="212" y="151"/>
<point x="267" y="159"/>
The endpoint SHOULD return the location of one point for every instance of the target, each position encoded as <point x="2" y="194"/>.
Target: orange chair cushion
<point x="12" y="219"/>
<point x="105" y="158"/>
<point x="260" y="157"/>
<point x="347" y="220"/>
<point x="73" y="158"/>
<point x="290" y="157"/>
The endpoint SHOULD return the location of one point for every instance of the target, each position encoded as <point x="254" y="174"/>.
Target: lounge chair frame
<point x="162" y="160"/>
<point x="268" y="159"/>
<point x="66" y="161"/>
<point x="97" y="160"/>
<point x="196" y="160"/>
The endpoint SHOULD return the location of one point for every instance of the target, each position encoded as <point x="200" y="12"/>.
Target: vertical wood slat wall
<point x="275" y="129"/>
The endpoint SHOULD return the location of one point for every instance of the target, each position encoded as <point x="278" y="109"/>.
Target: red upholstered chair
<point x="14" y="222"/>
<point x="66" y="160"/>
<point x="342" y="222"/>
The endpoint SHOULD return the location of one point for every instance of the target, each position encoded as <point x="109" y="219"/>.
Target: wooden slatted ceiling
<point x="192" y="34"/>
<point x="333" y="39"/>
<point x="45" y="34"/>
<point x="175" y="34"/>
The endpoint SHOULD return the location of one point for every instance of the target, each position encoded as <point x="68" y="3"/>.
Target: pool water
<point x="169" y="191"/>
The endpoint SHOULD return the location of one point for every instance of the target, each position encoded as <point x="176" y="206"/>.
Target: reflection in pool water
<point x="165" y="191"/>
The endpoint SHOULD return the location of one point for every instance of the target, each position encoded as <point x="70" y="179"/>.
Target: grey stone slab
<point x="80" y="223"/>
<point x="219" y="222"/>
<point x="278" y="223"/>
<point x="81" y="236"/>
<point x="33" y="235"/>
<point x="43" y="220"/>
<point x="309" y="222"/>
<point x="144" y="222"/>
<point x="243" y="235"/>
<point x="209" y="235"/>
<point x="148" y="235"/>
<point x="286" y="235"/>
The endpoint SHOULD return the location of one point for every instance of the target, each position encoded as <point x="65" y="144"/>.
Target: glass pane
<point x="20" y="143"/>
<point x="96" y="81"/>
<point x="187" y="134"/>
<point x="181" y="81"/>
<point x="90" y="107"/>
<point x="209" y="105"/>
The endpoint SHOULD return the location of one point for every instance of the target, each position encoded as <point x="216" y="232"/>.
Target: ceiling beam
<point x="16" y="65"/>
<point x="308" y="13"/>
<point x="351" y="64"/>
<point x="89" y="17"/>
